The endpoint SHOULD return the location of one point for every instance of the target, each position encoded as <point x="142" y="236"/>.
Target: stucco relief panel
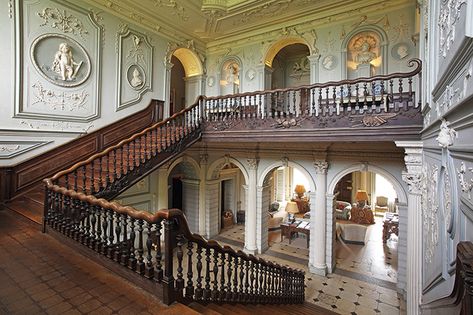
<point x="59" y="61"/>
<point x="135" y="66"/>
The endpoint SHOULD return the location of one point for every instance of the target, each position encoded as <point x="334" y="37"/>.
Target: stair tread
<point x="27" y="207"/>
<point x="202" y="309"/>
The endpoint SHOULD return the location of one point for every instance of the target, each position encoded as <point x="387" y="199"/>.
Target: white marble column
<point x="202" y="192"/>
<point x="318" y="220"/>
<point x="413" y="177"/>
<point x="250" y="220"/>
<point x="162" y="202"/>
<point x="330" y="233"/>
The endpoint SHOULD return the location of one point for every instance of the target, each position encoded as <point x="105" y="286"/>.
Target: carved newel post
<point x="414" y="177"/>
<point x="250" y="220"/>
<point x="317" y="255"/>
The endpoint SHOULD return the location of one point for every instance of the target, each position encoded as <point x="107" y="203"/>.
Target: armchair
<point x="381" y="205"/>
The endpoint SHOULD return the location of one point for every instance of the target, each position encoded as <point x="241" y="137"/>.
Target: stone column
<point x="263" y="201"/>
<point x="162" y="187"/>
<point x="318" y="220"/>
<point x="202" y="192"/>
<point x="167" y="89"/>
<point x="250" y="220"/>
<point x="331" y="225"/>
<point x="314" y="68"/>
<point x="413" y="177"/>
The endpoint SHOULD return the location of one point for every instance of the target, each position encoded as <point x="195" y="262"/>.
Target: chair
<point x="381" y="205"/>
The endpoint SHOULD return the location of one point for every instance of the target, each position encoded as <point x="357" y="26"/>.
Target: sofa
<point x="276" y="218"/>
<point x="352" y="233"/>
<point x="342" y="210"/>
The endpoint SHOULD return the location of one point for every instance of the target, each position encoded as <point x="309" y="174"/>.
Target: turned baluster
<point x="223" y="291"/>
<point x="207" y="275"/>
<point x="140" y="265"/>
<point x="144" y="146"/>
<point x="179" y="254"/>
<point x="139" y="149"/>
<point x="261" y="279"/>
<point x="265" y="283"/>
<point x="111" y="234"/>
<point x="117" y="247"/>
<point x="159" y="267"/>
<point x="198" y="289"/>
<point x="215" y="276"/>
<point x="114" y="165"/>
<point x="92" y="236"/>
<point x="241" y="296"/>
<point x="252" y="281"/>
<point x="190" y="284"/>
<point x="98" y="231"/>
<point x="103" y="247"/>
<point x="107" y="170"/>
<point x="149" y="270"/>
<point x="84" y="177"/>
<point x="400" y="91"/>
<point x="153" y="140"/>
<point x="125" y="244"/>
<point x="247" y="280"/>
<point x="68" y="213"/>
<point x="228" y="288"/>
<point x="235" y="280"/>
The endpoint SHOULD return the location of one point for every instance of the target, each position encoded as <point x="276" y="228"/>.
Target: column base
<point x="318" y="270"/>
<point x="263" y="249"/>
<point x="249" y="251"/>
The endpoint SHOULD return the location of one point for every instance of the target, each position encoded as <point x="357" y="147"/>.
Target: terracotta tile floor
<point x="38" y="275"/>
<point x="364" y="282"/>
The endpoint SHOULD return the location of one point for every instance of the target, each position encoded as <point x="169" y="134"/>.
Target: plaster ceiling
<point x="210" y="20"/>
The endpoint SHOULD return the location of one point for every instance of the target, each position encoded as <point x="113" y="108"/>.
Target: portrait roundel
<point x="60" y="60"/>
<point x="401" y="51"/>
<point x="136" y="77"/>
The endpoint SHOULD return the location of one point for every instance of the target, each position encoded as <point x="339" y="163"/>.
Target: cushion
<point x="362" y="215"/>
<point x="343" y="214"/>
<point x="353" y="233"/>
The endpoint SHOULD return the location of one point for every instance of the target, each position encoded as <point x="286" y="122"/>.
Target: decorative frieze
<point x="59" y="101"/>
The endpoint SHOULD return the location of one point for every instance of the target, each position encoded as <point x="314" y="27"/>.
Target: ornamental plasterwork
<point x="177" y="9"/>
<point x="136" y="52"/>
<point x="10" y="9"/>
<point x="10" y="149"/>
<point x="321" y="166"/>
<point x="447" y="200"/>
<point x="414" y="181"/>
<point x="55" y="126"/>
<point x="63" y="21"/>
<point x="450" y="11"/>
<point x="253" y="163"/>
<point x="264" y="11"/>
<point x="465" y="185"/>
<point x="61" y="101"/>
<point x="430" y="207"/>
<point x="446" y="135"/>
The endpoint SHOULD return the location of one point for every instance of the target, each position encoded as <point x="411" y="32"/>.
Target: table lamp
<point x="361" y="198"/>
<point x="291" y="208"/>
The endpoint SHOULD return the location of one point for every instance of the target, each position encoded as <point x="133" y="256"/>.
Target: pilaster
<point x="318" y="236"/>
<point x="413" y="176"/>
<point x="250" y="221"/>
<point x="202" y="191"/>
<point x="162" y="200"/>
<point x="167" y="89"/>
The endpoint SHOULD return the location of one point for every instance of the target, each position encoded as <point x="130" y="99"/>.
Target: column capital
<point x="168" y="65"/>
<point x="314" y="59"/>
<point x="414" y="182"/>
<point x="253" y="163"/>
<point x="321" y="166"/>
<point x="204" y="158"/>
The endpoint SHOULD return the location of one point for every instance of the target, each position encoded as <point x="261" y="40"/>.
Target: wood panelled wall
<point x="19" y="178"/>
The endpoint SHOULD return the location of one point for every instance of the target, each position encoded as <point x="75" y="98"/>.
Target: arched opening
<point x="183" y="191"/>
<point x="367" y="224"/>
<point x="276" y="47"/>
<point x="284" y="215"/>
<point x="184" y="80"/>
<point x="291" y="67"/>
<point x="227" y="202"/>
<point x="177" y="97"/>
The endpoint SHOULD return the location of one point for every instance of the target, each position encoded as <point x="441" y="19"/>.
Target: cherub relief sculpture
<point x="64" y="63"/>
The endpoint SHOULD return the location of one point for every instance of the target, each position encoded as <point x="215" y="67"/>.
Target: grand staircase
<point x="158" y="251"/>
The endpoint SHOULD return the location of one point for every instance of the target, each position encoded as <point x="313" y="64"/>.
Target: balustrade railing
<point x="381" y="93"/>
<point x="104" y="169"/>
<point x="161" y="248"/>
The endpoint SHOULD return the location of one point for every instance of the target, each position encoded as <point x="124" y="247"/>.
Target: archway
<point x="367" y="221"/>
<point x="184" y="79"/>
<point x="183" y="189"/>
<point x="276" y="47"/>
<point x="226" y="196"/>
<point x="284" y="188"/>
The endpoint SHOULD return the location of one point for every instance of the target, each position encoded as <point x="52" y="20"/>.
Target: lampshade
<point x="299" y="190"/>
<point x="291" y="207"/>
<point x="361" y="195"/>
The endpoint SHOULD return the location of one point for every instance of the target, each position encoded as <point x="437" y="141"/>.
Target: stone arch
<point x="184" y="159"/>
<point x="280" y="44"/>
<point x="217" y="165"/>
<point x="400" y="191"/>
<point x="274" y="165"/>
<point x="379" y="31"/>
<point x="190" y="61"/>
